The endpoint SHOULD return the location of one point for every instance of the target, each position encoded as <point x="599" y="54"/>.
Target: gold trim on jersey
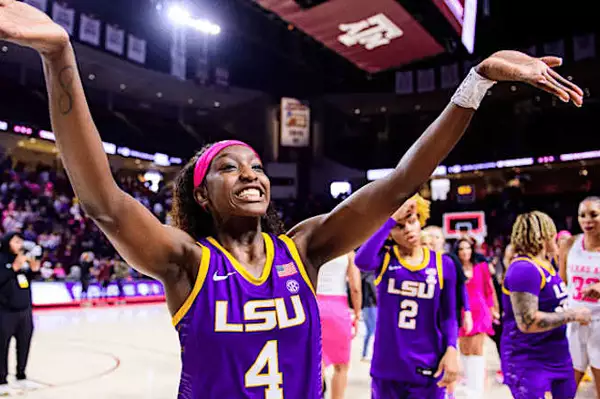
<point x="291" y="245"/>
<point x="538" y="265"/>
<point x="270" y="253"/>
<point x="544" y="264"/>
<point x="202" y="272"/>
<point x="413" y="268"/>
<point x="440" y="269"/>
<point x="386" y="262"/>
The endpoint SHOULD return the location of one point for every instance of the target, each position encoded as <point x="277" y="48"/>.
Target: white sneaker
<point x="5" y="391"/>
<point x="27" y="385"/>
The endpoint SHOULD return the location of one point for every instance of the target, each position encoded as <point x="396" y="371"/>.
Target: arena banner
<point x="66" y="293"/>
<point x="136" y="49"/>
<point x="89" y="30"/>
<point x="179" y="52"/>
<point x="374" y="35"/>
<point x="295" y="123"/>
<point x="115" y="39"/>
<point x="64" y="16"/>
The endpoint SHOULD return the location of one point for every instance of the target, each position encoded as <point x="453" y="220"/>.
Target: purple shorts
<point x="389" y="389"/>
<point x="535" y="383"/>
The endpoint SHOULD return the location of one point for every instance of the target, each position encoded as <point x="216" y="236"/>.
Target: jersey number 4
<point x="267" y="361"/>
<point x="408" y="313"/>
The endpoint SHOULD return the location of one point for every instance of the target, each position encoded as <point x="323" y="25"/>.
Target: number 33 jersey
<point x="409" y="337"/>
<point x="583" y="270"/>
<point x="247" y="337"/>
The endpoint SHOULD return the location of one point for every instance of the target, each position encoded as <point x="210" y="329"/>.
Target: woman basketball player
<point x="241" y="297"/>
<point x="438" y="243"/>
<point x="337" y="331"/>
<point x="579" y="261"/>
<point x="415" y="337"/>
<point x="535" y="351"/>
<point x="484" y="310"/>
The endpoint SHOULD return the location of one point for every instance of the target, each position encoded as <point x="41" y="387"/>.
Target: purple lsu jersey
<point x="409" y="339"/>
<point x="248" y="337"/>
<point x="548" y="350"/>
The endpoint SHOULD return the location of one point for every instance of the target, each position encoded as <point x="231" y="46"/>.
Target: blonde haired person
<point x="437" y="241"/>
<point x="535" y="351"/>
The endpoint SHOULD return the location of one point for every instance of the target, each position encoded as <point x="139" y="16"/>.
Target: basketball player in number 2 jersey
<point x="259" y="336"/>
<point x="418" y="302"/>
<point x="416" y="321"/>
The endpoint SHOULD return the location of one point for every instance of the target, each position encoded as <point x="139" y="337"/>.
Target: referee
<point x="19" y="260"/>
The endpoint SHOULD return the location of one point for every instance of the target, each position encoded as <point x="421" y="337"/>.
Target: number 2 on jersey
<point x="408" y="313"/>
<point x="272" y="379"/>
<point x="580" y="283"/>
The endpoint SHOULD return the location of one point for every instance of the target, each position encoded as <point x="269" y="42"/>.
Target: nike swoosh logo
<point x="394" y="267"/>
<point x="216" y="276"/>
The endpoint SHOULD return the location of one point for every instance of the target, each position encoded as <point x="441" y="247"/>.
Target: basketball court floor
<point x="132" y="352"/>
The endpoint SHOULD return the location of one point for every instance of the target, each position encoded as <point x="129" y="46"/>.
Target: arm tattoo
<point x="525" y="307"/>
<point x="65" y="80"/>
<point x="530" y="319"/>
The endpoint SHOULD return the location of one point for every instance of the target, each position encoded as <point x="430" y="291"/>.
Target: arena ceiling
<point x="266" y="52"/>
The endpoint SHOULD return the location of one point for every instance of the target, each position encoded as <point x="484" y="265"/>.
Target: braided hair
<point x="530" y="231"/>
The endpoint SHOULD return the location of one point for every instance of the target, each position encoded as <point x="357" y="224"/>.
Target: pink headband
<point x="203" y="163"/>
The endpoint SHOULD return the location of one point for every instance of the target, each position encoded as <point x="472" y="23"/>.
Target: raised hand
<point x="513" y="66"/>
<point x="408" y="208"/>
<point x="27" y="26"/>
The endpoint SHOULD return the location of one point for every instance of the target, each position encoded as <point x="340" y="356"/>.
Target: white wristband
<point x="472" y="90"/>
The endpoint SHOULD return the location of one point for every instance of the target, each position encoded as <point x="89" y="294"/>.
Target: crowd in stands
<point x="39" y="202"/>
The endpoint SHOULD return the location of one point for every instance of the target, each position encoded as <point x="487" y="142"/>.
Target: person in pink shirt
<point x="484" y="311"/>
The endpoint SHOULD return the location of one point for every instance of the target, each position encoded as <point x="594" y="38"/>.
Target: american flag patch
<point x="286" y="270"/>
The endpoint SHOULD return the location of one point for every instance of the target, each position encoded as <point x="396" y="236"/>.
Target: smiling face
<point x="235" y="185"/>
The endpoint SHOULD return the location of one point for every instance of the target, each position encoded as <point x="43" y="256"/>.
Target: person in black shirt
<point x="16" y="320"/>
<point x="86" y="261"/>
<point x="369" y="308"/>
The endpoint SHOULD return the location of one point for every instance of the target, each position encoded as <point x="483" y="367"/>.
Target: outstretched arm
<point x="531" y="320"/>
<point x="523" y="280"/>
<point x="358" y="217"/>
<point x="140" y="238"/>
<point x="449" y="321"/>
